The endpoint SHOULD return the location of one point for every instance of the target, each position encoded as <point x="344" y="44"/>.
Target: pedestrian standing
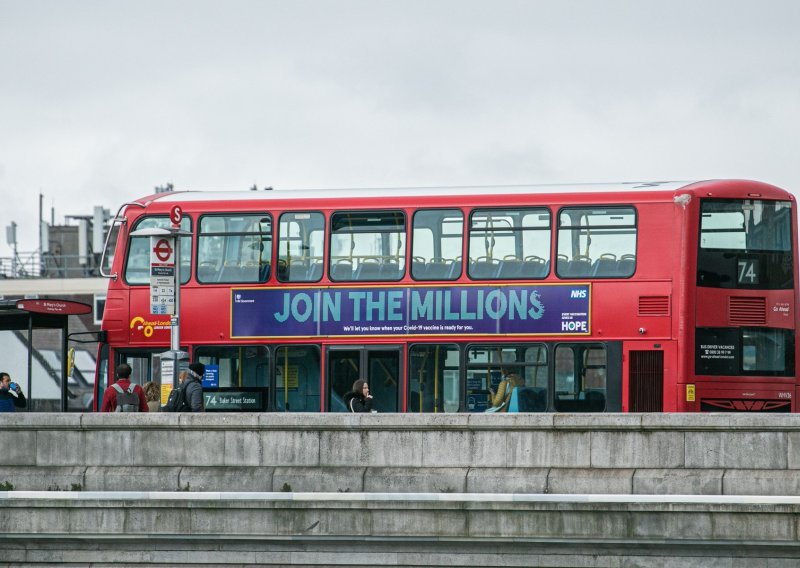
<point x="11" y="396"/>
<point x="123" y="396"/>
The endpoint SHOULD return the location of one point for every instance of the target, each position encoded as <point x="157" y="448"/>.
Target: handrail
<point x="108" y="236"/>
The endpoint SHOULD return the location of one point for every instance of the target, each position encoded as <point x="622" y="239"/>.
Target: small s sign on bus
<point x="176" y="215"/>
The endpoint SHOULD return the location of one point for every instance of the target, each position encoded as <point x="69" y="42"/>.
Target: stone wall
<point x="400" y="490"/>
<point x="708" y="454"/>
<point x="342" y="529"/>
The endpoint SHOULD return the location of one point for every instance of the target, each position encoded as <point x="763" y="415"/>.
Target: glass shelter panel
<point x="433" y="379"/>
<point x="137" y="265"/>
<point x="301" y="239"/>
<point x="509" y="244"/>
<point x="597" y="242"/>
<point x="234" y="248"/>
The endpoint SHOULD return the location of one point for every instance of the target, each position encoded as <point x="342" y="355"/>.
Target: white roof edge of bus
<point x="184" y="196"/>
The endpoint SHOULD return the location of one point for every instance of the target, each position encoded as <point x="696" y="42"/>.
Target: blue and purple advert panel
<point x="560" y="309"/>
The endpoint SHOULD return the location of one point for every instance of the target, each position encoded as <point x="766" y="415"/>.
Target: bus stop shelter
<point x="18" y="315"/>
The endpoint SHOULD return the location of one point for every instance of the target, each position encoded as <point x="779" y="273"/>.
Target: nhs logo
<point x="579" y="294"/>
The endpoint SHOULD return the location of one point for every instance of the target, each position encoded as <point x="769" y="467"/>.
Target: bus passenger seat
<point x="533" y="399"/>
<point x="264" y="271"/>
<point x="298" y="270"/>
<point x="455" y="269"/>
<point x="368" y="269"/>
<point x="580" y="267"/>
<point x="605" y="266"/>
<point x="390" y="270"/>
<point x="510" y="267"/>
<point x="418" y="268"/>
<point x="562" y="265"/>
<point x="534" y="267"/>
<point x="438" y="269"/>
<point x="528" y="399"/>
<point x="342" y="270"/>
<point x="595" y="400"/>
<point x="626" y="265"/>
<point x="315" y="271"/>
<point x="513" y="401"/>
<point x="484" y="267"/>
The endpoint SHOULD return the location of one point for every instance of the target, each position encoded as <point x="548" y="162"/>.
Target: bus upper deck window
<point x="367" y="245"/>
<point x="509" y="244"/>
<point x="436" y="245"/>
<point x="234" y="248"/>
<point x="301" y="238"/>
<point x="596" y="242"/>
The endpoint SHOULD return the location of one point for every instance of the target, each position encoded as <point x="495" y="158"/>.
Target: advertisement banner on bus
<point x="401" y="311"/>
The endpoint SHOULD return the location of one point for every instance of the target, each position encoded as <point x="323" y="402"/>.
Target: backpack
<point x="176" y="402"/>
<point x="127" y="400"/>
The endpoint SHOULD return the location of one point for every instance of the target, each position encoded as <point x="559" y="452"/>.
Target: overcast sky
<point x="101" y="101"/>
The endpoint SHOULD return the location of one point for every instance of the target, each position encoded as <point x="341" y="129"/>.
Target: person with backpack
<point x="188" y="397"/>
<point x="123" y="395"/>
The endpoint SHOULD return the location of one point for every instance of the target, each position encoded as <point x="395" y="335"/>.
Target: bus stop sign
<point x="162" y="275"/>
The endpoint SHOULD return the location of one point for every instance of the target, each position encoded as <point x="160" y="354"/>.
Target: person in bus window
<point x="498" y="400"/>
<point x="359" y="399"/>
<point x="11" y="396"/>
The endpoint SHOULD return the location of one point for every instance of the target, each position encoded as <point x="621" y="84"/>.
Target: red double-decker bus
<point x="640" y="297"/>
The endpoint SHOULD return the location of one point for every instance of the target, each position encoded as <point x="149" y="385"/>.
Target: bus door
<point x="648" y="375"/>
<point x="379" y="365"/>
<point x="297" y="378"/>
